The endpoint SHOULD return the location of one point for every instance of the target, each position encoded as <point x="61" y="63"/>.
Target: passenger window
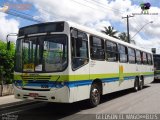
<point x="138" y="57"/>
<point x="111" y="51"/>
<point x="144" y="56"/>
<point x="131" y="55"/>
<point x="149" y="59"/>
<point x="79" y="48"/>
<point x="97" y="48"/>
<point x="123" y="53"/>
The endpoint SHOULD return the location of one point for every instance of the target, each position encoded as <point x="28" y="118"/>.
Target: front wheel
<point x="94" y="95"/>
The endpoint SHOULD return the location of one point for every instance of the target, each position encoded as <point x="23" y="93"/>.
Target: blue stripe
<point x="104" y="80"/>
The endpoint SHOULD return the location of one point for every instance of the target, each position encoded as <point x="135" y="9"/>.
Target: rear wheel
<point x="95" y="95"/>
<point x="141" y="84"/>
<point x="136" y="84"/>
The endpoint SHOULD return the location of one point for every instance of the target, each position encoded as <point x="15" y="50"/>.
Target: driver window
<point x="79" y="48"/>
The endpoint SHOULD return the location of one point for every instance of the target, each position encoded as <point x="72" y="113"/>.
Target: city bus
<point x="156" y="59"/>
<point x="65" y="62"/>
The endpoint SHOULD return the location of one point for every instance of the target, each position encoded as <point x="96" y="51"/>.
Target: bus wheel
<point x="94" y="95"/>
<point x="141" y="84"/>
<point x="136" y="84"/>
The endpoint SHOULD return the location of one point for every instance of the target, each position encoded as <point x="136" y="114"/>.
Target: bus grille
<point x="36" y="77"/>
<point x="39" y="81"/>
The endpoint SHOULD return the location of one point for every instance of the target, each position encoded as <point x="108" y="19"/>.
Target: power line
<point x="113" y="9"/>
<point x="21" y="15"/>
<point x="102" y="10"/>
<point x="60" y="17"/>
<point x="138" y="25"/>
<point x="142" y="28"/>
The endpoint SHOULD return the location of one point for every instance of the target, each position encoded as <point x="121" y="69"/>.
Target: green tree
<point x="123" y="36"/>
<point x="7" y="61"/>
<point x="110" y="31"/>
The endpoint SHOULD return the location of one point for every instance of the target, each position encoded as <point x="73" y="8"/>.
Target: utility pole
<point x="128" y="16"/>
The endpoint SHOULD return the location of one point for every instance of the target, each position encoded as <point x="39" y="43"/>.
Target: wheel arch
<point x="99" y="83"/>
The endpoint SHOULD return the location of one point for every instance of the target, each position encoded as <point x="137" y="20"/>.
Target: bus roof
<point x="93" y="32"/>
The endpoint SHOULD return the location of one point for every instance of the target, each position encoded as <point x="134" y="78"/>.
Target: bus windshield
<point x="41" y="54"/>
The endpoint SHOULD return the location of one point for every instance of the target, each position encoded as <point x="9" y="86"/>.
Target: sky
<point x="91" y="13"/>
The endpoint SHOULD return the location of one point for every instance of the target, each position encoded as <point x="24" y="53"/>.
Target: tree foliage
<point x="6" y="61"/>
<point x="123" y="36"/>
<point x="110" y="31"/>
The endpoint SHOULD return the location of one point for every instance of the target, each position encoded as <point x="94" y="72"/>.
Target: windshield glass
<point x="41" y="54"/>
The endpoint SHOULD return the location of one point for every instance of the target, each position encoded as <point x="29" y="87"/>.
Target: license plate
<point x="33" y="95"/>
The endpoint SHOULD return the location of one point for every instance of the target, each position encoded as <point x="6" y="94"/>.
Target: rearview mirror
<point x="8" y="42"/>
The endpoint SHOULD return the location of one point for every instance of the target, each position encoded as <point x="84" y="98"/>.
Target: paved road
<point x="127" y="101"/>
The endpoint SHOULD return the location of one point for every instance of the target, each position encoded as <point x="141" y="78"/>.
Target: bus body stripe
<point x="80" y="82"/>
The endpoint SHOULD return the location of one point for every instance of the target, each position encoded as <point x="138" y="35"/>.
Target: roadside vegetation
<point x="6" y="62"/>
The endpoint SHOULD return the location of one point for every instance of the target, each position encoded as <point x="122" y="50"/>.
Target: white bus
<point x="65" y="62"/>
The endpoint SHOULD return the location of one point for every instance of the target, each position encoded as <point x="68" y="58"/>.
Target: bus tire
<point x="136" y="84"/>
<point x="141" y="84"/>
<point x="95" y="95"/>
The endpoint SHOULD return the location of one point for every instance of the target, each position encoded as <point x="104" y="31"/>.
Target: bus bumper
<point x="54" y="95"/>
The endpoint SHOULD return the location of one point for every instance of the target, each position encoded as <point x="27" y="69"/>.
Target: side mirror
<point x="8" y="42"/>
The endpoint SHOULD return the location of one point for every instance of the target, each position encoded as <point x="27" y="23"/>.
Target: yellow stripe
<point x="85" y="76"/>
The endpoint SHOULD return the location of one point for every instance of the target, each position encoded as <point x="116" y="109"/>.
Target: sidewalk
<point x="8" y="99"/>
<point x="9" y="102"/>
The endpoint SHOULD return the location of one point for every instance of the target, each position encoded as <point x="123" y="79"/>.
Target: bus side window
<point x="79" y="48"/>
<point x="138" y="57"/>
<point x="97" y="48"/>
<point x="149" y="59"/>
<point x="111" y="51"/>
<point x="131" y="55"/>
<point x="144" y="55"/>
<point x="123" y="53"/>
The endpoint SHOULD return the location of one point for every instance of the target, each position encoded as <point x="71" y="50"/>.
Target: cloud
<point x="98" y="13"/>
<point x="7" y="26"/>
<point x="92" y="13"/>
